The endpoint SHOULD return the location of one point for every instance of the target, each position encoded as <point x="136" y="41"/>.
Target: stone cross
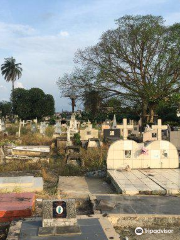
<point x="159" y="128"/>
<point x="125" y="128"/>
<point x="68" y="134"/>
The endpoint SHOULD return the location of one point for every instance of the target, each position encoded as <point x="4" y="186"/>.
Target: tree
<point x="33" y="103"/>
<point x="11" y="71"/>
<point x="5" y="108"/>
<point x="138" y="62"/>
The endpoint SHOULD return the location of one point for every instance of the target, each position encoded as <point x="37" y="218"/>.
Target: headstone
<point x="69" y="142"/>
<point x="1" y="156"/>
<point x="43" y="127"/>
<point x="58" y="128"/>
<point x="111" y="135"/>
<point x="2" y="126"/>
<point x="59" y="217"/>
<point x="33" y="128"/>
<point x="159" y="128"/>
<point x="114" y="122"/>
<point x="73" y="124"/>
<point x="125" y="127"/>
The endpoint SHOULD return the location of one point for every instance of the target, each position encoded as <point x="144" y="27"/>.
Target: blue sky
<point x="44" y="35"/>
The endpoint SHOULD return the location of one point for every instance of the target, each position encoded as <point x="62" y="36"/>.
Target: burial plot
<point x="43" y="127"/>
<point x="93" y="143"/>
<point x="57" y="130"/>
<point x="88" y="133"/>
<point x="21" y="184"/>
<point x="125" y="129"/>
<point x="16" y="205"/>
<point x="35" y="151"/>
<point x="73" y="124"/>
<point x="128" y="155"/>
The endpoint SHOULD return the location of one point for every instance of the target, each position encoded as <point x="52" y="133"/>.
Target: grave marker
<point x="159" y="128"/>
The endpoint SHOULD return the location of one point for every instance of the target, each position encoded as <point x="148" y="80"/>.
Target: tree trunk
<point x="73" y="104"/>
<point x="13" y="99"/>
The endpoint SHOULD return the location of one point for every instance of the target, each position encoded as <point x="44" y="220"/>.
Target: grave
<point x="154" y="133"/>
<point x="91" y="228"/>
<point x="125" y="128"/>
<point x="16" y="205"/>
<point x="21" y="184"/>
<point x="88" y="133"/>
<point x="73" y="124"/>
<point x="111" y="135"/>
<point x="36" y="151"/>
<point x="106" y="124"/>
<point x="124" y="156"/>
<point x="136" y="129"/>
<point x="93" y="143"/>
<point x="57" y="130"/>
<point x="73" y="155"/>
<point x="2" y="126"/>
<point x="43" y="127"/>
<point x="114" y="125"/>
<point x="1" y="156"/>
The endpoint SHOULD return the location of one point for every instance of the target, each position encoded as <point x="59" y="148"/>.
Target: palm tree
<point x="11" y="71"/>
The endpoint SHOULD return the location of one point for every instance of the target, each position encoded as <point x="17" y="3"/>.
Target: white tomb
<point x="127" y="153"/>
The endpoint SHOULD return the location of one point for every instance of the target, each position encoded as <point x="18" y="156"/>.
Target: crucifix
<point x="159" y="128"/>
<point x="125" y="128"/>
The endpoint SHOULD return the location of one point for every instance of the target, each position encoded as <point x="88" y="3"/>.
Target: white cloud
<point x="2" y="87"/>
<point x="64" y="34"/>
<point x="18" y="85"/>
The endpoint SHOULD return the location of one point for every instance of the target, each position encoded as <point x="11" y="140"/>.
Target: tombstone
<point x="33" y="128"/>
<point x="88" y="133"/>
<point x="2" y="126"/>
<point x="69" y="142"/>
<point x="154" y="133"/>
<point x="43" y="127"/>
<point x="111" y="135"/>
<point x="59" y="218"/>
<point x="114" y="122"/>
<point x="58" y="128"/>
<point x="125" y="128"/>
<point x="73" y="124"/>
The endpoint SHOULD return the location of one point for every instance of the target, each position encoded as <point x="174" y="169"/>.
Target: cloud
<point x="18" y="85"/>
<point x="64" y="34"/>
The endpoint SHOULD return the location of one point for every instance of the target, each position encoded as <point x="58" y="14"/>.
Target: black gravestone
<point x="111" y="134"/>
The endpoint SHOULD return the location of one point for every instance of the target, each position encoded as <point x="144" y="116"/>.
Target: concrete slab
<point x="134" y="182"/>
<point x="169" y="179"/>
<point x="21" y="184"/>
<point x="156" y="205"/>
<point x="146" y="181"/>
<point x="82" y="187"/>
<point x="93" y="228"/>
<point x="16" y="205"/>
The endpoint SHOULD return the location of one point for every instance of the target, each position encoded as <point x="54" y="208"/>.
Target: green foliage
<point x="29" y="104"/>
<point x="77" y="140"/>
<point x="12" y="130"/>
<point x="52" y="120"/>
<point x="5" y="108"/>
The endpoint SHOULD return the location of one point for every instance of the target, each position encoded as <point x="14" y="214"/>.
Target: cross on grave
<point x="125" y="128"/>
<point x="159" y="127"/>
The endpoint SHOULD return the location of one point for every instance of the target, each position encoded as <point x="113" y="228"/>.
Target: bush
<point x="77" y="140"/>
<point x="49" y="131"/>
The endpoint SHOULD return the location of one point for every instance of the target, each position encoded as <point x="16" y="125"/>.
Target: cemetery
<point x="102" y="161"/>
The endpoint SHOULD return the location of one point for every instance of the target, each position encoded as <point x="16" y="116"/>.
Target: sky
<point x="44" y="35"/>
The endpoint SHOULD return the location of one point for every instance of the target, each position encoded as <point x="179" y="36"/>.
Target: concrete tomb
<point x="16" y="205"/>
<point x="155" y="132"/>
<point x="175" y="139"/>
<point x="59" y="218"/>
<point x="35" y="151"/>
<point x="88" y="133"/>
<point x="21" y="184"/>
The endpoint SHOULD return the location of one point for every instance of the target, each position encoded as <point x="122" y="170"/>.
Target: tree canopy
<point x="29" y="104"/>
<point x="138" y="62"/>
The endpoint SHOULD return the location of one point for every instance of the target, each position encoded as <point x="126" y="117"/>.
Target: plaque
<point x="59" y="209"/>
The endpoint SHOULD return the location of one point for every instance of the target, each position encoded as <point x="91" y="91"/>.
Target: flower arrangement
<point x="144" y="151"/>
